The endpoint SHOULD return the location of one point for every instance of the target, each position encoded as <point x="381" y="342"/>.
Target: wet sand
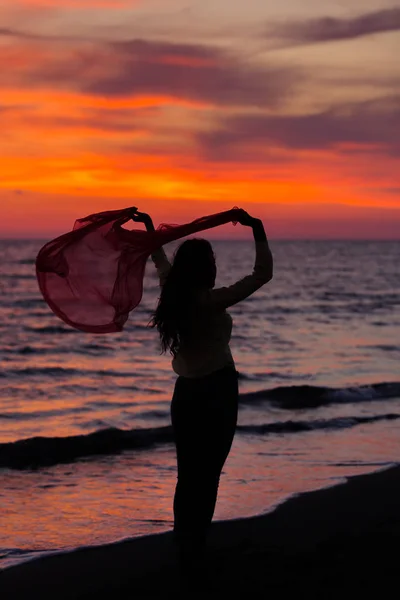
<point x="341" y="542"/>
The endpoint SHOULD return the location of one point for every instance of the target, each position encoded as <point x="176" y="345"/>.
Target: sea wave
<point x="46" y="451"/>
<point x="43" y="452"/>
<point x="66" y="371"/>
<point x="51" y="329"/>
<point x="310" y="396"/>
<point x="299" y="426"/>
<point x="83" y="349"/>
<point x="18" y="276"/>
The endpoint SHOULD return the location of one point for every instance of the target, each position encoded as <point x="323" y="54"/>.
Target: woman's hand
<point x="245" y="219"/>
<point x="140" y="217"/>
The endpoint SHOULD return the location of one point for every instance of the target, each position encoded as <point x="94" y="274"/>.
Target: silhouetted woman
<point x="194" y="326"/>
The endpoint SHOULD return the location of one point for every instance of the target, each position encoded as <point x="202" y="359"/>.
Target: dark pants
<point x="204" y="415"/>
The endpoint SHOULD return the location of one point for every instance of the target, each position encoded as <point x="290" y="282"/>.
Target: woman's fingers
<point x="244" y="218"/>
<point x="140" y="217"/>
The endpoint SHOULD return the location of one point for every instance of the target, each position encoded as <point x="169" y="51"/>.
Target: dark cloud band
<point x="373" y="124"/>
<point x="125" y="69"/>
<point x="332" y="29"/>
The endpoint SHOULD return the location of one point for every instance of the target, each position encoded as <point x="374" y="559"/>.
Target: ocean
<point x="86" y="452"/>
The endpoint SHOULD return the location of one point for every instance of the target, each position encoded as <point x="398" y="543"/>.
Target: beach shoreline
<point x="337" y="540"/>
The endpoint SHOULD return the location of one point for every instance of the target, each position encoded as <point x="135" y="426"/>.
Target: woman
<point x="194" y="326"/>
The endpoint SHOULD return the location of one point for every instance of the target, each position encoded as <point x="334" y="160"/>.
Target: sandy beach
<point x="337" y="542"/>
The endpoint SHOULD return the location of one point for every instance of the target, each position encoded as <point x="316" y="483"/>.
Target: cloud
<point x="13" y="33"/>
<point x="95" y="119"/>
<point x="120" y="69"/>
<point x="372" y="124"/>
<point x="16" y="34"/>
<point x="8" y="108"/>
<point x="193" y="72"/>
<point x="76" y="4"/>
<point x="392" y="190"/>
<point x="329" y="29"/>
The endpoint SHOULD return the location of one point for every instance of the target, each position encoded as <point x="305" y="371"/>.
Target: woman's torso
<point x="205" y="348"/>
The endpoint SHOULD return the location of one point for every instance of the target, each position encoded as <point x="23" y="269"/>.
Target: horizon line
<point x="235" y="239"/>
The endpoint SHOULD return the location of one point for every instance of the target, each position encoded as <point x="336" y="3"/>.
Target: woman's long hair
<point x="193" y="269"/>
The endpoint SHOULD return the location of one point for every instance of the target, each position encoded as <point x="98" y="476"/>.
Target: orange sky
<point x="103" y="107"/>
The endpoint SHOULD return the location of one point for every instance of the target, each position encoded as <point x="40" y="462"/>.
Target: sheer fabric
<point x="92" y="276"/>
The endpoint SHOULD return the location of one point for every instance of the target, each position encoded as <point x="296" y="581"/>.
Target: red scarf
<point x="92" y="277"/>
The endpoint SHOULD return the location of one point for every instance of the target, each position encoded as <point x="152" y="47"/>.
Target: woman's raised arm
<point x="158" y="257"/>
<point x="221" y="298"/>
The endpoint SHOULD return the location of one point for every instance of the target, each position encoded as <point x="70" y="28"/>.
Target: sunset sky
<point x="289" y="109"/>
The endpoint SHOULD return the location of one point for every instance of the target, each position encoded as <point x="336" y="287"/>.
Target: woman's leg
<point x="204" y="415"/>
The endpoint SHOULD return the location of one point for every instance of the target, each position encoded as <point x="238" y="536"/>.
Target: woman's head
<point x="194" y="264"/>
<point x="193" y="270"/>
